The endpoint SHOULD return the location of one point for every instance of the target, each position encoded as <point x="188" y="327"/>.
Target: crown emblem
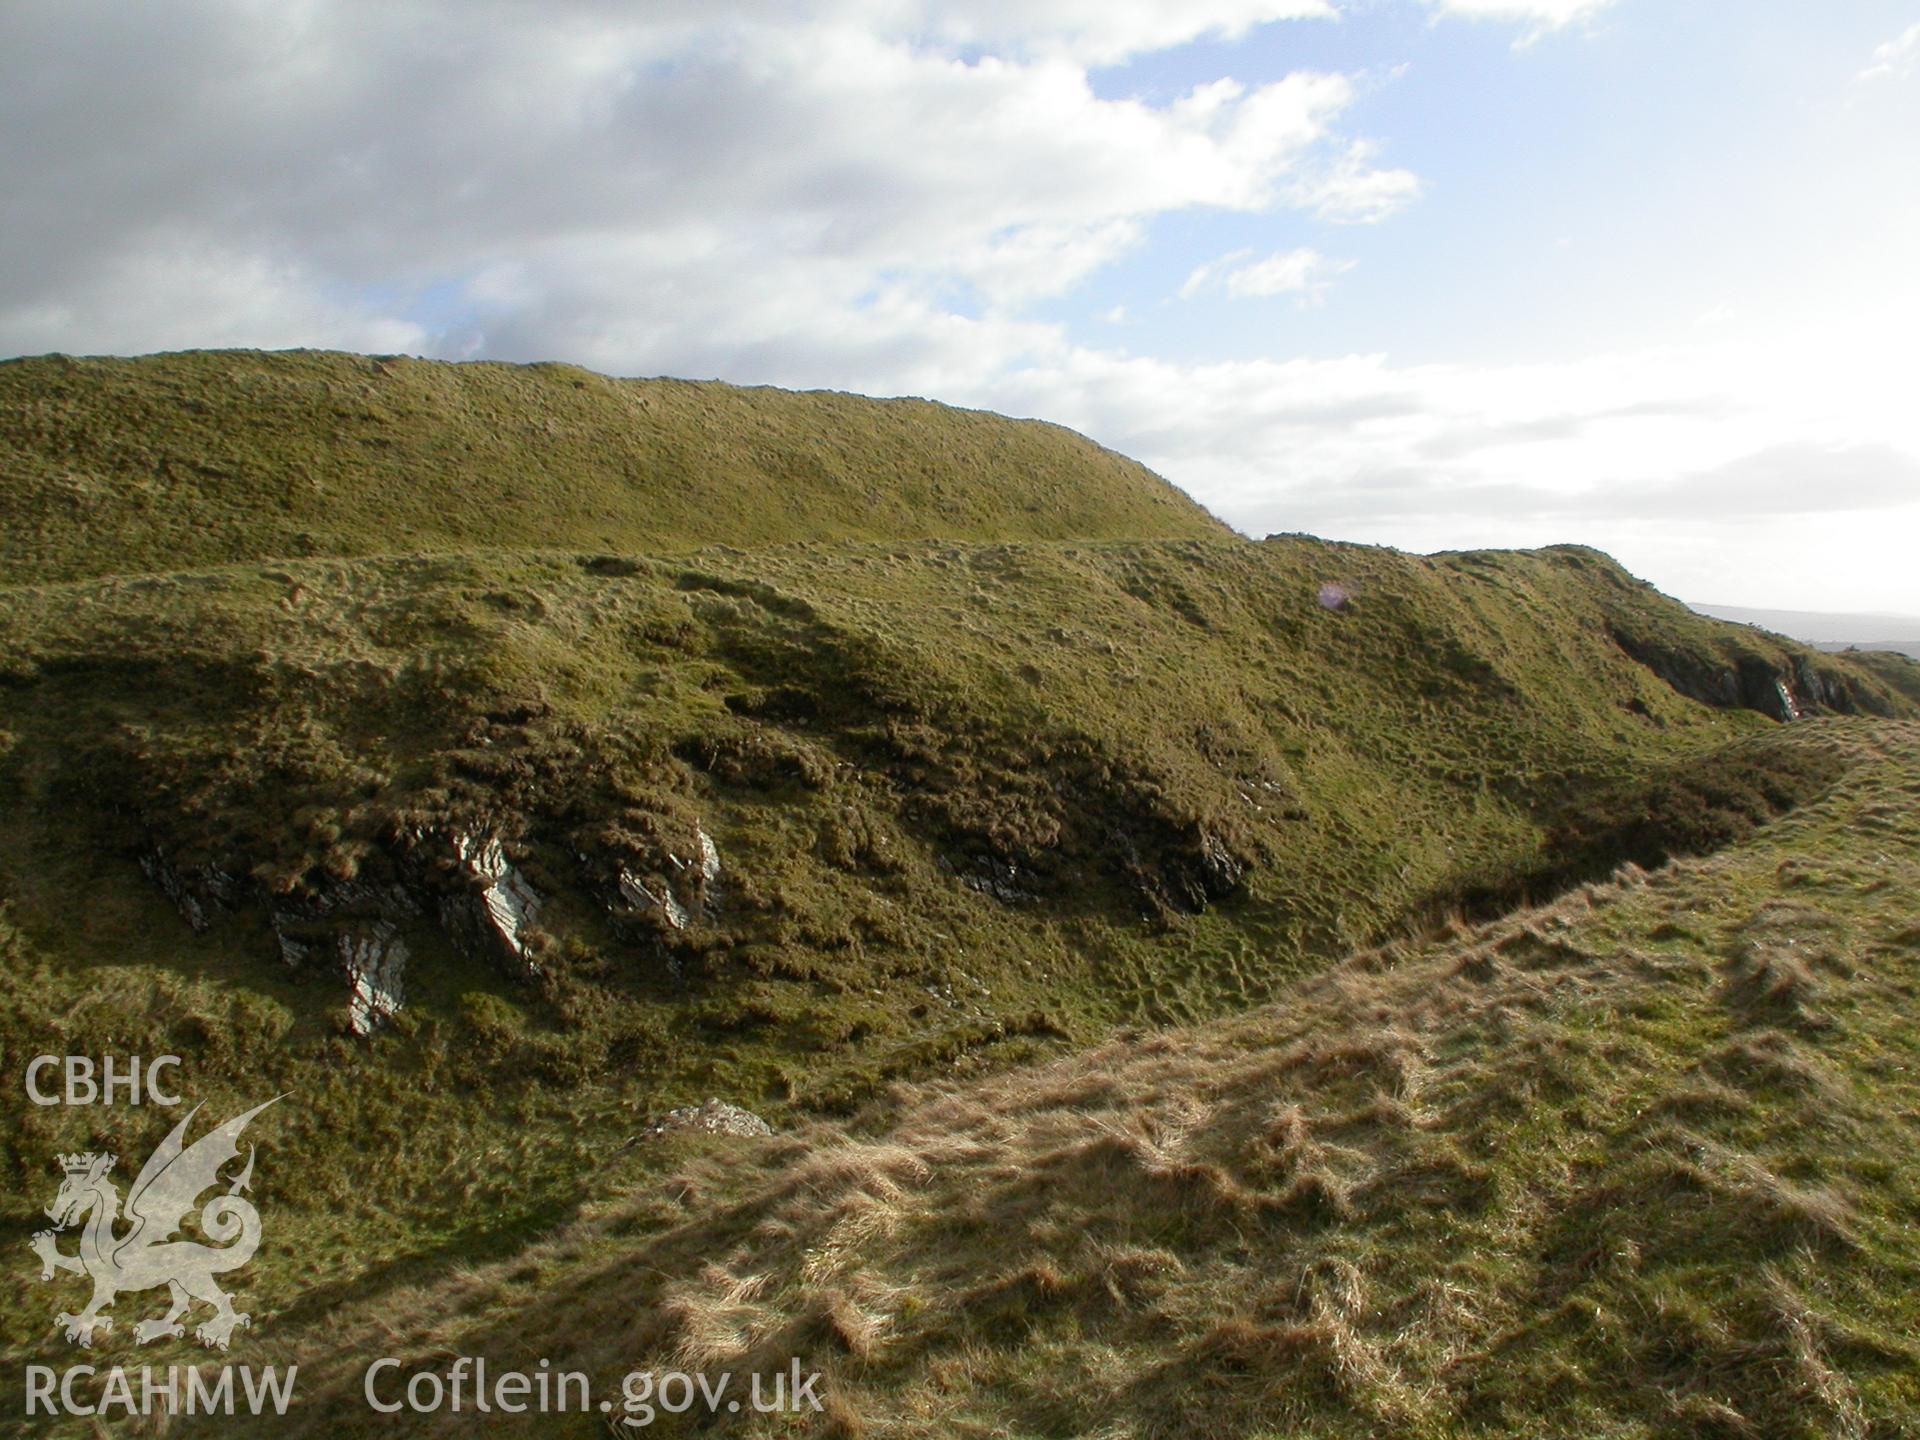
<point x="80" y="1162"/>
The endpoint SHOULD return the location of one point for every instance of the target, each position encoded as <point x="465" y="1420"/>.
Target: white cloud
<point x="1035" y="262"/>
<point x="1351" y="191"/>
<point x="638" y="171"/>
<point x="1895" y="60"/>
<point x="1540" y="16"/>
<point x="1094" y="31"/>
<point x="197" y="296"/>
<point x="1732" y="468"/>
<point x="1291" y="272"/>
<point x="1305" y="273"/>
<point x="1206" y="275"/>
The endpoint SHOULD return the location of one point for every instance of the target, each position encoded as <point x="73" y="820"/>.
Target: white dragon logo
<point x="146" y="1255"/>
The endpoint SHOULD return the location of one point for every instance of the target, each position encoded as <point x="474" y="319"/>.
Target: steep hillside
<point x="1897" y="670"/>
<point x="966" y="804"/>
<point x="1641" y="1163"/>
<point x="172" y="461"/>
<point x="593" y="795"/>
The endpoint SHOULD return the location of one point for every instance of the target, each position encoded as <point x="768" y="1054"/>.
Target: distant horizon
<point x="1823" y="627"/>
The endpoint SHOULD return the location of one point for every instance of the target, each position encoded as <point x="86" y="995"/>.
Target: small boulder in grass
<point x="716" y="1117"/>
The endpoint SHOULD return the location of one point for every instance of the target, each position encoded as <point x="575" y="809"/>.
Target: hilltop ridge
<point x="167" y="462"/>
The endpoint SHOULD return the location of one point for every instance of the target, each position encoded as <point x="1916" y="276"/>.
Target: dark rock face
<point x="1817" y="689"/>
<point x="990" y="875"/>
<point x="1785" y="689"/>
<point x="347" y="928"/>
<point x="640" y="898"/>
<point x="1220" y="869"/>
<point x="1761" y="687"/>
<point x="1183" y="872"/>
<point x="1197" y="873"/>
<point x="198" y="892"/>
<point x="352" y="928"/>
<point x="464" y="879"/>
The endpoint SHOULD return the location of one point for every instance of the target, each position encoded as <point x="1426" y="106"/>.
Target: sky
<point x="1437" y="274"/>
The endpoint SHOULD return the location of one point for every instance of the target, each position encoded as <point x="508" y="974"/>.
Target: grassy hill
<point x="172" y="461"/>
<point x="1640" y="1162"/>
<point x="973" y="747"/>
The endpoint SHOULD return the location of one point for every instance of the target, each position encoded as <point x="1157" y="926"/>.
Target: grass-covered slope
<point x="1640" y="1163"/>
<point x="171" y="461"/>
<point x="932" y="785"/>
<point x="1899" y="672"/>
<point x="1071" y="750"/>
<point x="971" y="802"/>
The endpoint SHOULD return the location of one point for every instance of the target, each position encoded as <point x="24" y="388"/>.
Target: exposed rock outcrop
<point x="692" y="890"/>
<point x="709" y="865"/>
<point x="1785" y="707"/>
<point x="1785" y="688"/>
<point x="374" y="958"/>
<point x="350" y="926"/>
<point x="496" y="912"/>
<point x="1220" y="869"/>
<point x="1184" y="874"/>
<point x="989" y="875"/>
<point x="641" y="897"/>
<point x="197" y="892"/>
